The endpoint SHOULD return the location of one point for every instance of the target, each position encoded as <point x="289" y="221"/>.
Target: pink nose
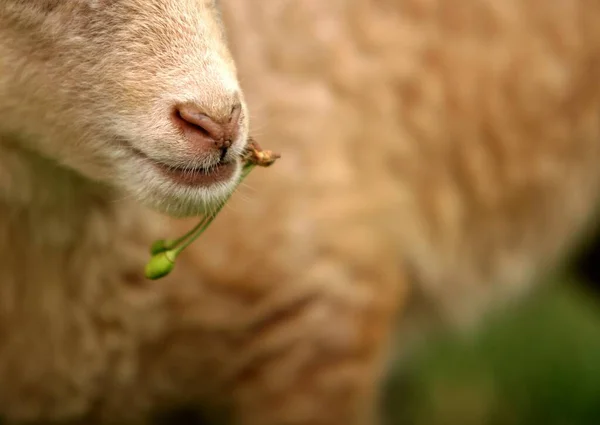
<point x="206" y="134"/>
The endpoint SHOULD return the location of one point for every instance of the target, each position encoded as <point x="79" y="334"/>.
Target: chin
<point x="181" y="197"/>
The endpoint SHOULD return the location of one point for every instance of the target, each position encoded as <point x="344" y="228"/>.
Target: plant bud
<point x="160" y="245"/>
<point x="160" y="265"/>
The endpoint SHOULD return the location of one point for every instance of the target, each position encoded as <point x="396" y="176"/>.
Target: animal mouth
<point x="223" y="171"/>
<point x="193" y="176"/>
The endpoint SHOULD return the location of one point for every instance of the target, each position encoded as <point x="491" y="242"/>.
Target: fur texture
<point x="438" y="158"/>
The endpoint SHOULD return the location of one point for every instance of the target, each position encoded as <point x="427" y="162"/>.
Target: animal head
<point x="140" y="94"/>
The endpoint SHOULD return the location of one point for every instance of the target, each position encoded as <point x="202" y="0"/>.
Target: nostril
<point x="204" y="132"/>
<point x="201" y="122"/>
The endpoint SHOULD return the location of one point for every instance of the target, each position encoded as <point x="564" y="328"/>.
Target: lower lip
<point x="199" y="177"/>
<point x="194" y="177"/>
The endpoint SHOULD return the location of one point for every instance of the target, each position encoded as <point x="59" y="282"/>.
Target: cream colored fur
<point x="444" y="152"/>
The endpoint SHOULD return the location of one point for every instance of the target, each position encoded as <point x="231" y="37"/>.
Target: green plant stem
<point x="193" y="234"/>
<point x="182" y="239"/>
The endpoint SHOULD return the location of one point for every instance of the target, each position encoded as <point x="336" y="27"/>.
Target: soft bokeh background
<point x="538" y="363"/>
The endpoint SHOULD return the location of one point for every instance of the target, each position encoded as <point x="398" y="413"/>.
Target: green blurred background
<point x="536" y="364"/>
